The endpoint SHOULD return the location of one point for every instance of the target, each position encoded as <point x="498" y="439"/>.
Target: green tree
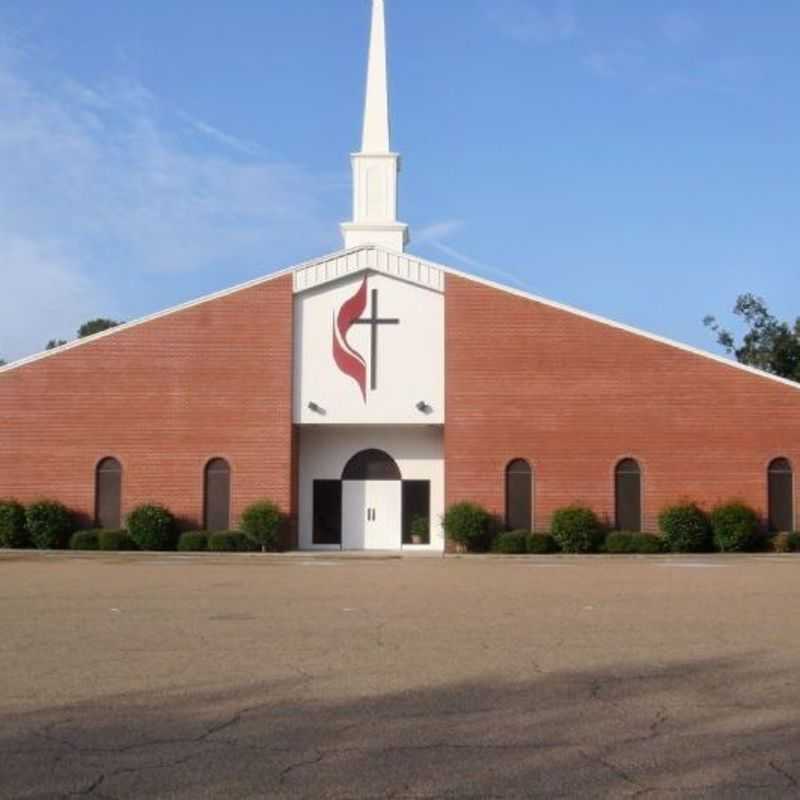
<point x="2" y="362"/>
<point x="89" y="328"/>
<point x="94" y="326"/>
<point x="769" y="344"/>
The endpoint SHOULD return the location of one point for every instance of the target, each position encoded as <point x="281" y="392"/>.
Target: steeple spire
<point x="376" y="111"/>
<point x="376" y="167"/>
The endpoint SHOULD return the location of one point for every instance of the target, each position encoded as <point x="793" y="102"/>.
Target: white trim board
<point x="383" y="262"/>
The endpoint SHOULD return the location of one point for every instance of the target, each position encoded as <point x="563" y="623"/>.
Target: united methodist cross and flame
<point x="347" y="358"/>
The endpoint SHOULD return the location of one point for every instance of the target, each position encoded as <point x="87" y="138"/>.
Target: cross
<point x="374" y="322"/>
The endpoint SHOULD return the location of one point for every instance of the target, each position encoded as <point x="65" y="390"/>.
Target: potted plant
<point x="419" y="530"/>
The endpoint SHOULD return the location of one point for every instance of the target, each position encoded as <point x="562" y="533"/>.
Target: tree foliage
<point x="769" y="344"/>
<point x="94" y="326"/>
<point x="89" y="328"/>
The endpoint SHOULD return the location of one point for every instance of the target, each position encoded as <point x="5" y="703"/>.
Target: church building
<point x="369" y="388"/>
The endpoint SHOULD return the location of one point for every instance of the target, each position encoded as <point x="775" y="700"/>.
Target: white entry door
<point x="372" y="513"/>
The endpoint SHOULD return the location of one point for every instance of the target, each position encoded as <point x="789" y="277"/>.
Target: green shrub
<point x="620" y="542"/>
<point x="115" y="540"/>
<point x="780" y="543"/>
<point x="84" y="540"/>
<point x="49" y="524"/>
<point x="541" y="544"/>
<point x="685" y="528"/>
<point x="230" y="542"/>
<point x="152" y="528"/>
<point x="641" y="543"/>
<point x="420" y="528"/>
<point x="735" y="527"/>
<point x="511" y="543"/>
<point x="262" y="523"/>
<point x="469" y="525"/>
<point x="648" y="543"/>
<point x="13" y="532"/>
<point x="793" y="542"/>
<point x="193" y="542"/>
<point x="577" y="529"/>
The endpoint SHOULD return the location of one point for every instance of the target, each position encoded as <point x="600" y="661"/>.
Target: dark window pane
<point x="217" y="516"/>
<point x="628" y="496"/>
<point x="519" y="495"/>
<point x="108" y="494"/>
<point x="371" y="465"/>
<point x="781" y="496"/>
<point x="416" y="503"/>
<point x="327" y="512"/>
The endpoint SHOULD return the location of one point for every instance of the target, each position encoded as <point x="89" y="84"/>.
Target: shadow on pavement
<point x="700" y="729"/>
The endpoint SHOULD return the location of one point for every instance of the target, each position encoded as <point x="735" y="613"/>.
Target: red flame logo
<point x="350" y="361"/>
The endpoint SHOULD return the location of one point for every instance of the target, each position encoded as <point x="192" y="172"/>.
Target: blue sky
<point x="637" y="160"/>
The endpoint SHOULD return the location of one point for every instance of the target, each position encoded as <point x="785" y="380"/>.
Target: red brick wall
<point x="163" y="397"/>
<point x="573" y="396"/>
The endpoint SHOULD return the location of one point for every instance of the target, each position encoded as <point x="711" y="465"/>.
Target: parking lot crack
<point x="90" y="789"/>
<point x="790" y="779"/>
<point x="613" y="768"/>
<point x="312" y="762"/>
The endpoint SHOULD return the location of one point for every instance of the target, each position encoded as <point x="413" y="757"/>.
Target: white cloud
<point x="44" y="295"/>
<point x="234" y="142"/>
<point x="434" y="236"/>
<point x="480" y="266"/>
<point x="101" y="184"/>
<point x="530" y="22"/>
<point x="437" y="231"/>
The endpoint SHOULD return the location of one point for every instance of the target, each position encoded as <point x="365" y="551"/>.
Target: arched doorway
<point x="372" y="502"/>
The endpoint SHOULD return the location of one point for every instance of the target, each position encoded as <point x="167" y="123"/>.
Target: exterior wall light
<point x="423" y="407"/>
<point x="316" y="409"/>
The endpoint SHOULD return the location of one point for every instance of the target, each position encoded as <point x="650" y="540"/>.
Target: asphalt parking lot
<point x="250" y="676"/>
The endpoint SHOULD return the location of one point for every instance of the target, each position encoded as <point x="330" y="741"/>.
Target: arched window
<point x="371" y="465"/>
<point x="217" y="494"/>
<point x="108" y="494"/>
<point x="519" y="495"/>
<point x="781" y="495"/>
<point x="628" y="491"/>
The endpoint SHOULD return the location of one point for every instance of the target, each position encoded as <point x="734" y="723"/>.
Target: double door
<point x="368" y="515"/>
<point x="372" y="515"/>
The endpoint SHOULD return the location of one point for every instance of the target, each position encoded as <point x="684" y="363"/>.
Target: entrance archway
<point x="371" y="465"/>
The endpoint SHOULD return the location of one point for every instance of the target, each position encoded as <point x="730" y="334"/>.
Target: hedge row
<point x="684" y="528"/>
<point x="48" y="525"/>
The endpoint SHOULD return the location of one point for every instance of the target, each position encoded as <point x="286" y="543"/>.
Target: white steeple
<point x="376" y="167"/>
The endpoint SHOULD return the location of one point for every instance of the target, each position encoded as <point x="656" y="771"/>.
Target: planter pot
<point x="417" y="540"/>
<point x="460" y="548"/>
